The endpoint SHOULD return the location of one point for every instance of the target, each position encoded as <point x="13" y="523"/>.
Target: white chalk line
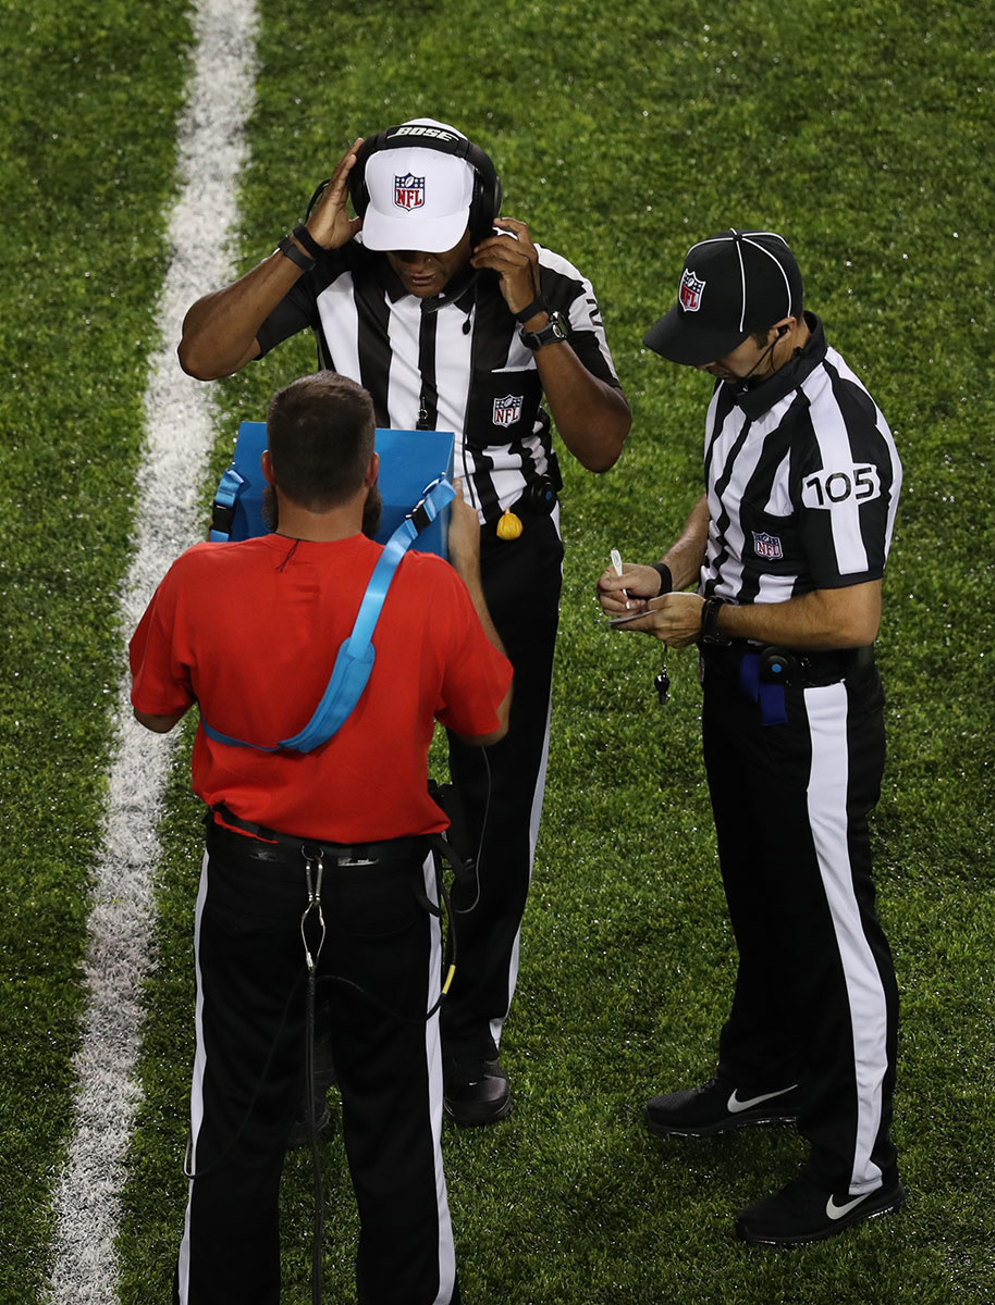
<point x="179" y="422"/>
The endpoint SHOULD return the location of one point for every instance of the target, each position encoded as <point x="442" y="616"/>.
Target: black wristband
<point x="710" y="622"/>
<point x="666" y="578"/>
<point x="289" y="250"/>
<point x="305" y="238"/>
<point x="538" y="305"/>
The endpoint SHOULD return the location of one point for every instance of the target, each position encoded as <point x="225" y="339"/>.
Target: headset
<point x="486" y="202"/>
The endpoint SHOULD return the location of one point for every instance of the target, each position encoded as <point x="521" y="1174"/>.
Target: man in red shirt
<point x="249" y="631"/>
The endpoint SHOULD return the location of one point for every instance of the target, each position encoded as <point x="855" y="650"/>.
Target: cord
<point x="480" y="843"/>
<point x="314" y="869"/>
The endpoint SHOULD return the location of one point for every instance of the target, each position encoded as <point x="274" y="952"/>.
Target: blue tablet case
<point x="410" y="460"/>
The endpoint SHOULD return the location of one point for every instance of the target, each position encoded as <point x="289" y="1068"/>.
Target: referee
<point x="454" y="319"/>
<point x="788" y="548"/>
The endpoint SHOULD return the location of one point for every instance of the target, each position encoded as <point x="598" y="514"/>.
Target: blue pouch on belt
<point x="773" y="710"/>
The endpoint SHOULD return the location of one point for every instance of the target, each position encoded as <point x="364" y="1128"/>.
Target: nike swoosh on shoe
<point x="834" y="1211"/>
<point x="735" y="1106"/>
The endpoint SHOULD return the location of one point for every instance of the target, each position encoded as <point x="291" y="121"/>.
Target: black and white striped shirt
<point x="458" y="367"/>
<point x="803" y="480"/>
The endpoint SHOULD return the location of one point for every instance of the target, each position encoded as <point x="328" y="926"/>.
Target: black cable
<point x="480" y="844"/>
<point x="448" y="963"/>
<point x="203" y="1173"/>
<point x="311" y="1100"/>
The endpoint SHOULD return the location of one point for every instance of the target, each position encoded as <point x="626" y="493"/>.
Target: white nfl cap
<point x="419" y="198"/>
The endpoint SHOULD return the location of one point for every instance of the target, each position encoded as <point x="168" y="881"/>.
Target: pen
<point x="616" y="558"/>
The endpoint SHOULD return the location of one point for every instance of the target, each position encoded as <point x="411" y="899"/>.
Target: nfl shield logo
<point x="767" y="546"/>
<point x="690" y="291"/>
<point x="409" y="191"/>
<point x="507" y="410"/>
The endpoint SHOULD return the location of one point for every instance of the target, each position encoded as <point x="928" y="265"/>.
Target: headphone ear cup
<point x="481" y="218"/>
<point x="494" y="201"/>
<point x="485" y="205"/>
<point x="358" y="190"/>
<point x="358" y="193"/>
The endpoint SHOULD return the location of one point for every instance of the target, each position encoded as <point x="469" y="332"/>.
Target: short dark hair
<point x="760" y="337"/>
<point x="320" y="431"/>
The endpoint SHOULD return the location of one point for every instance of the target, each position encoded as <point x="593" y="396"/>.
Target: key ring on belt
<point x="314" y="869"/>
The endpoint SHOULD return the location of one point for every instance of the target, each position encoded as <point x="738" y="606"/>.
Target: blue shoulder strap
<point x="354" y="660"/>
<point x="224" y="505"/>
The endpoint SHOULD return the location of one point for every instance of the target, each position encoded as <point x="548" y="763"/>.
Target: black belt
<point x="788" y="666"/>
<point x="263" y="844"/>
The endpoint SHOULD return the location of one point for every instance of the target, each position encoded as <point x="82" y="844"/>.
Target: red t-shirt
<point x="250" y="631"/>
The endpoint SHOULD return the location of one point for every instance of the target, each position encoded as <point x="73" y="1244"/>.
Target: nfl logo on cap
<point x="690" y="291"/>
<point x="409" y="191"/>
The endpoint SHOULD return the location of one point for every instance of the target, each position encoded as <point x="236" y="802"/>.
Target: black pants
<point x="503" y="794"/>
<point x="248" y="1073"/>
<point x="816" y="1000"/>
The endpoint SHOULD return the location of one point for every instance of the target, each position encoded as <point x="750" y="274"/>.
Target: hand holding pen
<point x="625" y="588"/>
<point x="621" y="600"/>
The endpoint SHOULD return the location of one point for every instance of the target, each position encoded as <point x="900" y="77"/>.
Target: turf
<point x="88" y="103"/>
<point x="622" y="133"/>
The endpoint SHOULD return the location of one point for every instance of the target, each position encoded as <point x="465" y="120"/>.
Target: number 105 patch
<point x="825" y="489"/>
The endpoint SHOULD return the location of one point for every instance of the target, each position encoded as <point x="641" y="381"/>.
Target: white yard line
<point x="179" y="433"/>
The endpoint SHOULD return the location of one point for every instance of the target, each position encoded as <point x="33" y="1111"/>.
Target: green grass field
<point x="623" y="133"/>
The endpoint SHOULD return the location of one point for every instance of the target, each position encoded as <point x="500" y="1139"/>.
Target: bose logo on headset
<point x="434" y="132"/>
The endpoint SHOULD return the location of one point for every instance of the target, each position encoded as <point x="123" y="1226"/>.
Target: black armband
<point x="305" y="238"/>
<point x="288" y="249"/>
<point x="666" y="578"/>
<point x="538" y="305"/>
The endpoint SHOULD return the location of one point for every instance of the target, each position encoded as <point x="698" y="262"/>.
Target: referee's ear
<point x="266" y="462"/>
<point x="372" y="471"/>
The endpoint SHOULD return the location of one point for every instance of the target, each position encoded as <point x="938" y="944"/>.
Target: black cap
<point x="733" y="284"/>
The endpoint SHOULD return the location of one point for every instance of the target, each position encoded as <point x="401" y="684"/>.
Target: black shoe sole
<point x="889" y="1204"/>
<point x="729" y="1125"/>
<point x="474" y="1114"/>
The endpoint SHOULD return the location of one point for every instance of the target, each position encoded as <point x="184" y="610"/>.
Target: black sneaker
<point x="803" y="1212"/>
<point x="480" y="1096"/>
<point x="718" y="1107"/>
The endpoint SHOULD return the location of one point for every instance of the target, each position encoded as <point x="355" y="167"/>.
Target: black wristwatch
<point x="710" y="623"/>
<point x="556" y="329"/>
